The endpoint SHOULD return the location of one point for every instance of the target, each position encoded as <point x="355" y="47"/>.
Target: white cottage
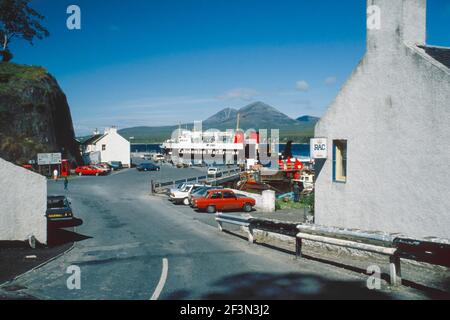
<point x="388" y="132"/>
<point x="107" y="147"/>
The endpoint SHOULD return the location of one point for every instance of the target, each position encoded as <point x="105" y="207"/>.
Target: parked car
<point x="59" y="213"/>
<point x="103" y="167"/>
<point x="182" y="195"/>
<point x="147" y="167"/>
<point x="176" y="188"/>
<point x="200" y="193"/>
<point x="89" y="171"/>
<point x="116" y="165"/>
<point x="222" y="200"/>
<point x="214" y="172"/>
<point x="159" y="157"/>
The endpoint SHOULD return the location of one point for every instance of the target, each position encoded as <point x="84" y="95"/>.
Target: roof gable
<point x="439" y="54"/>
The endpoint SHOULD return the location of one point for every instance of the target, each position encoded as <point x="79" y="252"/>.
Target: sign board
<point x="319" y="148"/>
<point x="48" y="158"/>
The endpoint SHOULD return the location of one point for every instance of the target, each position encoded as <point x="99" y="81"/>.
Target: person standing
<point x="296" y="190"/>
<point x="66" y="184"/>
<point x="55" y="174"/>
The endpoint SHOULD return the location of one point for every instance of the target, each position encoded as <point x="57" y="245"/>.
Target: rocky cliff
<point x="34" y="115"/>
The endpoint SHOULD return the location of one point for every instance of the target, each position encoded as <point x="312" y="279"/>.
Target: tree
<point x="18" y="20"/>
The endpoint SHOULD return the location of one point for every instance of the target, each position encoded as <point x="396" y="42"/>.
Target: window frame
<point x="342" y="145"/>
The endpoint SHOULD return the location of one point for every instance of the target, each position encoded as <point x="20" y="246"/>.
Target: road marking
<point x="162" y="281"/>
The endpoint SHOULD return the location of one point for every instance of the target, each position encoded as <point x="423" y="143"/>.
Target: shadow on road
<point x="57" y="237"/>
<point x="290" y="286"/>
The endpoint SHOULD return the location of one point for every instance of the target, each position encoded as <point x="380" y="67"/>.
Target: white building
<point x="107" y="147"/>
<point x="23" y="204"/>
<point x="388" y="132"/>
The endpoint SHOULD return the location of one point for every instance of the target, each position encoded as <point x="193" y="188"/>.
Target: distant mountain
<point x="308" y="119"/>
<point x="257" y="115"/>
<point x="225" y="115"/>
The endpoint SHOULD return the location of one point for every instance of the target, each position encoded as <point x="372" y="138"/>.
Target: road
<point x="136" y="246"/>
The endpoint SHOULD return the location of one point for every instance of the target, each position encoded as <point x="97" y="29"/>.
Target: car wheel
<point x="96" y="174"/>
<point x="247" y="207"/>
<point x="80" y="174"/>
<point x="186" y="201"/>
<point x="211" y="209"/>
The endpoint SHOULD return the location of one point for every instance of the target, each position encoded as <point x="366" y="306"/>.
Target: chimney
<point x="112" y="129"/>
<point x="391" y="23"/>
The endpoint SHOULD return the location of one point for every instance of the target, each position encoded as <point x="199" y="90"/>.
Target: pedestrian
<point x="55" y="174"/>
<point x="296" y="190"/>
<point x="66" y="184"/>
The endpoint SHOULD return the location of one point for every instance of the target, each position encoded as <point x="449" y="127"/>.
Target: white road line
<point x="162" y="281"/>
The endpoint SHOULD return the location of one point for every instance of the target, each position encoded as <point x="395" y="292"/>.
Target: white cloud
<point x="240" y="94"/>
<point x="302" y="86"/>
<point x="330" y="80"/>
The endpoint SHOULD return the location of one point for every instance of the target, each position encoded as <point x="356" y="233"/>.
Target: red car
<point x="222" y="200"/>
<point x="89" y="171"/>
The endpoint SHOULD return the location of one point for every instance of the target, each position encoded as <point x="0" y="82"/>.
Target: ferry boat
<point x="206" y="147"/>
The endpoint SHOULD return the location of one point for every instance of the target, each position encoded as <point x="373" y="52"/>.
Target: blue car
<point x="148" y="167"/>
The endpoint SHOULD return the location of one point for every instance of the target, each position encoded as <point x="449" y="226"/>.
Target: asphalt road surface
<point x="136" y="246"/>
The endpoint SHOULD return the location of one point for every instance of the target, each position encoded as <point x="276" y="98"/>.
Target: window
<point x="103" y="147"/>
<point x="340" y="160"/>
<point x="228" y="195"/>
<point x="216" y="195"/>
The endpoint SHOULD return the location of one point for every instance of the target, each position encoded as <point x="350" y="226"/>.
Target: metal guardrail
<point x="435" y="252"/>
<point x="197" y="179"/>
<point x="236" y="220"/>
<point x="394" y="246"/>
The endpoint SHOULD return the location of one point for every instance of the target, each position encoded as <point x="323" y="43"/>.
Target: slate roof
<point x="440" y="54"/>
<point x="92" y="140"/>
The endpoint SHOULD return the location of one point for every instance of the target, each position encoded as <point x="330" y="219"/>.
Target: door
<point x="229" y="201"/>
<point x="217" y="200"/>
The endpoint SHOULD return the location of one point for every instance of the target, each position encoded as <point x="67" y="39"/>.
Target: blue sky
<point x="148" y="62"/>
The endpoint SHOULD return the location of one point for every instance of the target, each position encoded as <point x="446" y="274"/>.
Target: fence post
<point x="251" y="238"/>
<point x="298" y="247"/>
<point x="395" y="270"/>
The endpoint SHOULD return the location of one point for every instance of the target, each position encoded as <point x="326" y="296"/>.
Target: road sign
<point x="48" y="158"/>
<point x="319" y="148"/>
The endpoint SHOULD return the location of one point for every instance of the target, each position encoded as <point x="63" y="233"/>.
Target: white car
<point x="177" y="188"/>
<point x="214" y="172"/>
<point x="182" y="195"/>
<point x="158" y="157"/>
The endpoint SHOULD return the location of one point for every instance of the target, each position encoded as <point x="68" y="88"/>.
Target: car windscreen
<point x="55" y="204"/>
<point x="200" y="191"/>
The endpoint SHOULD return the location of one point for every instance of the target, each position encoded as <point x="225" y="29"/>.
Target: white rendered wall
<point x="23" y="203"/>
<point x="394" y="112"/>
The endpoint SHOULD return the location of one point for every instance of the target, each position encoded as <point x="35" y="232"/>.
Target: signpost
<point x="319" y="148"/>
<point x="48" y="158"/>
